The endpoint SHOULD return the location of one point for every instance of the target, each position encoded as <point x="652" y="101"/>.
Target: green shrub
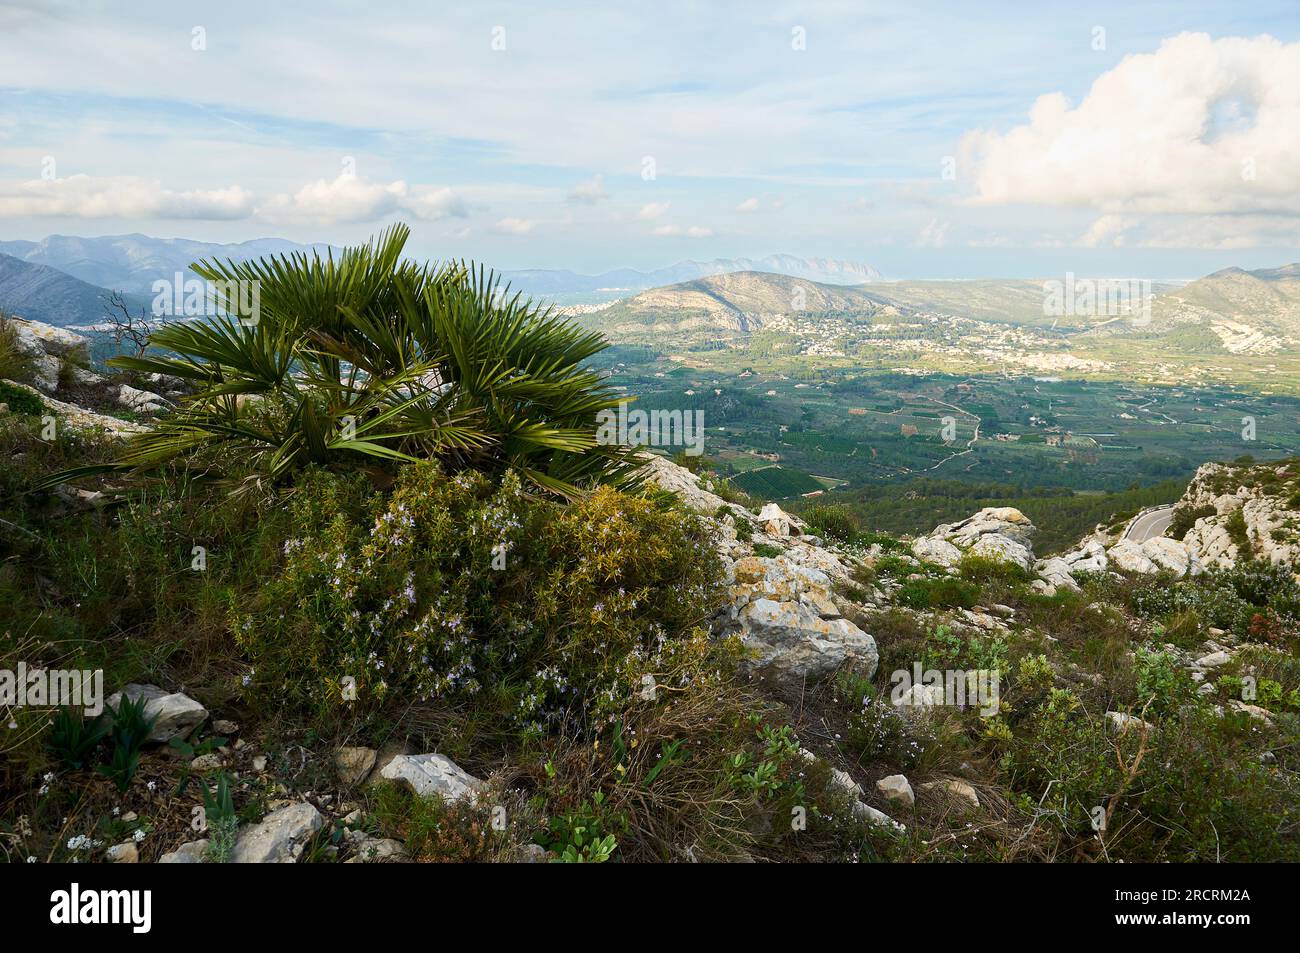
<point x="129" y="732"/>
<point x="451" y="587"/>
<point x="833" y="521"/>
<point x="15" y="365"/>
<point x="1237" y="530"/>
<point x="944" y="592"/>
<point x="73" y="740"/>
<point x="1162" y="685"/>
<point x="20" y="401"/>
<point x="1185" y="518"/>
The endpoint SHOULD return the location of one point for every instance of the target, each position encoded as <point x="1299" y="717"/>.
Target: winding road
<point x="1150" y="524"/>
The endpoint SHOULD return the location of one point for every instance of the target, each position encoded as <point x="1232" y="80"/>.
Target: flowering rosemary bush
<point x="452" y="588"/>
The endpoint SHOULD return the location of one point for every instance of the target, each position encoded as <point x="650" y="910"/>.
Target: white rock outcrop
<point x="280" y="838"/>
<point x="789" y="622"/>
<point x="175" y="714"/>
<point x="430" y="775"/>
<point x="897" y="790"/>
<point x="1002" y="533"/>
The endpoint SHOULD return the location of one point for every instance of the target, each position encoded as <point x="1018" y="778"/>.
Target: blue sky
<point x="927" y="139"/>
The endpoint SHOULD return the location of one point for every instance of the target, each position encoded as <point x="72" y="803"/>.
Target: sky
<point x="946" y="140"/>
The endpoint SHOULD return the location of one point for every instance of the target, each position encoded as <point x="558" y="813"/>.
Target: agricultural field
<point x="869" y="426"/>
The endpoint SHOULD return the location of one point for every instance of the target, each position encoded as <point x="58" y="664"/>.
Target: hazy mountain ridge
<point x="51" y="296"/>
<point x="132" y="263"/>
<point x="739" y="301"/>
<point x="1231" y="311"/>
<point x="824" y="270"/>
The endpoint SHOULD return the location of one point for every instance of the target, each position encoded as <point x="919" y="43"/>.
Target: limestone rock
<point x="433" y="774"/>
<point x="354" y="764"/>
<point x="956" y="789"/>
<point x="1254" y="711"/>
<point x="188" y="853"/>
<point x="206" y="762"/>
<point x="918" y="699"/>
<point x="1003" y="549"/>
<point x="776" y="522"/>
<point x="141" y="401"/>
<point x="1120" y="723"/>
<point x="1213" y="660"/>
<point x="792" y="640"/>
<point x="897" y="790"/>
<point x="842" y="781"/>
<point x="175" y="714"/>
<point x="280" y="838"/>
<point x="937" y="551"/>
<point x="374" y="850"/>
<point x="80" y="419"/>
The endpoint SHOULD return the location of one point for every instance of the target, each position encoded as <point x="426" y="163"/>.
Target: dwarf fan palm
<point x="367" y="358"/>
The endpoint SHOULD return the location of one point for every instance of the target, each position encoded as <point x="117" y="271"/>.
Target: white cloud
<point x="1222" y="232"/>
<point x="1107" y="231"/>
<point x="653" y="210"/>
<point x="350" y="198"/>
<point x="431" y="204"/>
<point x="516" y="226"/>
<point x="590" y="192"/>
<point x="1199" y="126"/>
<point x="749" y="205"/>
<point x="345" y="199"/>
<point x="84" y="196"/>
<point x="674" y="231"/>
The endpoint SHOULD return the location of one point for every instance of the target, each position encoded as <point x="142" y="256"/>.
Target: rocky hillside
<point x="947" y="697"/>
<point x="52" y="364"/>
<point x="1251" y="312"/>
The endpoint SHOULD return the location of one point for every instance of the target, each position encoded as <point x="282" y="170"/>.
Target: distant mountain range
<point x="626" y="280"/>
<point x="65" y="280"/>
<point x="740" y="301"/>
<point x="1232" y="311"/>
<point x="132" y="263"/>
<point x="46" y="294"/>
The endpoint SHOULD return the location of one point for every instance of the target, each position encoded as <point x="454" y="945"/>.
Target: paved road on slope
<point x="1150" y="524"/>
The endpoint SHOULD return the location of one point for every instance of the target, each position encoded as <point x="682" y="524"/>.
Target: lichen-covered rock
<point x="937" y="551"/>
<point x="789" y="620"/>
<point x="1003" y="549"/>
<point x="792" y="641"/>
